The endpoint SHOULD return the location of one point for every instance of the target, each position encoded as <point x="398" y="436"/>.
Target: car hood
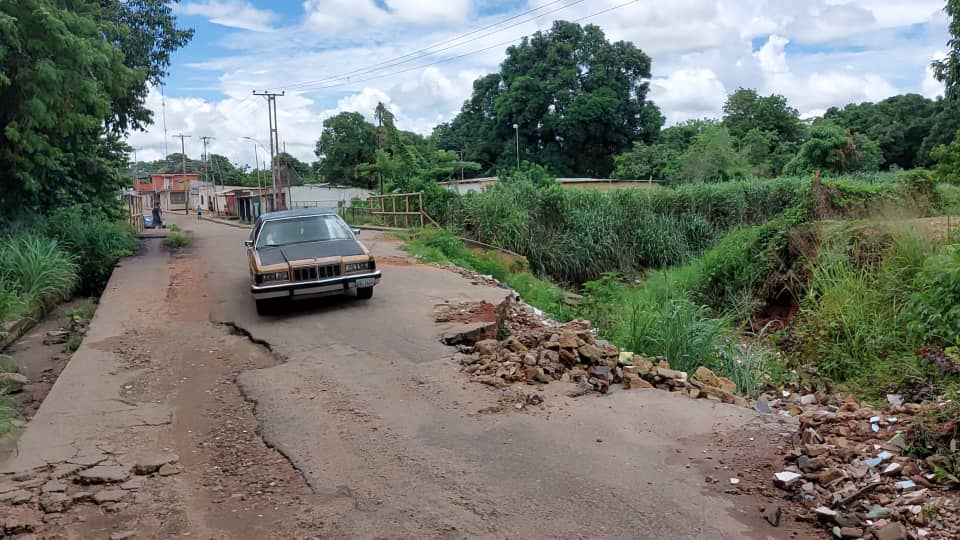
<point x="309" y="250"/>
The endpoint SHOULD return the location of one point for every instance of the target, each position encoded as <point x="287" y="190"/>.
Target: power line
<point x="409" y="57"/>
<point x="452" y="58"/>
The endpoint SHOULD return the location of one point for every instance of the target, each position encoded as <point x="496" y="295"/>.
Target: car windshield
<point x="306" y="229"/>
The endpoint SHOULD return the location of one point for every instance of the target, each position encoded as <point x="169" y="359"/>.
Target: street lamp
<point x="516" y="128"/>
<point x="257" y="159"/>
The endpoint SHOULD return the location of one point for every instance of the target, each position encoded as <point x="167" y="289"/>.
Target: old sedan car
<point x="306" y="253"/>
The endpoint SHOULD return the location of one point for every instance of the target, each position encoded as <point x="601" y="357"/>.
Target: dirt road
<point x="346" y="418"/>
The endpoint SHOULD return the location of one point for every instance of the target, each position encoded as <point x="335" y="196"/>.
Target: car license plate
<point x="366" y="282"/>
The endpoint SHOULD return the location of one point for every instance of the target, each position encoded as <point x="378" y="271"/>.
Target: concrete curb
<point x="228" y="223"/>
<point x="14" y="330"/>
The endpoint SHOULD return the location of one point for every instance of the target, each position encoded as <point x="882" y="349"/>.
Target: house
<point x="478" y="185"/>
<point x="174" y="191"/>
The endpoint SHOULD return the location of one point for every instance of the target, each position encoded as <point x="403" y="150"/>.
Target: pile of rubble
<point x="539" y="351"/>
<point x="847" y="466"/>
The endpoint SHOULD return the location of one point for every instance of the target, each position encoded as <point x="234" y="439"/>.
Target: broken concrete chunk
<point x="110" y="496"/>
<point x="786" y="479"/>
<point x="169" y="470"/>
<point x="55" y="502"/>
<point x="892" y="531"/>
<point x="54" y="486"/>
<point x="772" y="514"/>
<point x="851" y="532"/>
<point x="826" y="515"/>
<point x="104" y="474"/>
<point x="150" y="462"/>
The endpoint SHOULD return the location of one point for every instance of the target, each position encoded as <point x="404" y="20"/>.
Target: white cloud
<point x="233" y="13"/>
<point x="931" y="87"/>
<point x="818" y="53"/>
<point x="688" y="94"/>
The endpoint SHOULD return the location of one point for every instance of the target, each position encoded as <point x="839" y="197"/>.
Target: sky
<point x="420" y="57"/>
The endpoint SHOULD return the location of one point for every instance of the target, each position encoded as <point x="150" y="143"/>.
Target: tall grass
<point x="577" y="235"/>
<point x="38" y="269"/>
<point x="97" y="243"/>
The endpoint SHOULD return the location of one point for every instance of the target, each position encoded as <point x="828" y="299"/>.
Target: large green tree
<point x="73" y="79"/>
<point x="746" y="110"/>
<point x="576" y="98"/>
<point x="347" y="140"/>
<point x="899" y="124"/>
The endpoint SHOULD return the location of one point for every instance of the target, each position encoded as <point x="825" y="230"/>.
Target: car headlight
<point x="350" y="268"/>
<point x="275" y="276"/>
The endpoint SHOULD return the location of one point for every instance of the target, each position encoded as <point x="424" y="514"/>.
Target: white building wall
<point x="323" y="196"/>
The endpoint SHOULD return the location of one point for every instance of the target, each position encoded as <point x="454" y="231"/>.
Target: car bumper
<point x="336" y="285"/>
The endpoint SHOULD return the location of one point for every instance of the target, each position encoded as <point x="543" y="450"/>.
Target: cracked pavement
<point x="345" y="418"/>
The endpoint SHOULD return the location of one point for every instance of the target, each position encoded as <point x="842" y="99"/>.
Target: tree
<point x="294" y="172"/>
<point x="577" y="100"/>
<point x="947" y="159"/>
<point x="71" y="86"/>
<point x="899" y="124"/>
<point x="148" y="36"/>
<point x="712" y="157"/>
<point x="831" y="148"/>
<point x="746" y="110"/>
<point x="661" y="160"/>
<point x="647" y="161"/>
<point x="947" y="70"/>
<point x="347" y="140"/>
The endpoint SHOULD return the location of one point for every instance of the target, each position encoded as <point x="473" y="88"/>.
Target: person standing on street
<point x="199" y="211"/>
<point x="157" y="216"/>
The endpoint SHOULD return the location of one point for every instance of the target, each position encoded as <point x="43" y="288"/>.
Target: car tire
<point x="266" y="307"/>
<point x="365" y="293"/>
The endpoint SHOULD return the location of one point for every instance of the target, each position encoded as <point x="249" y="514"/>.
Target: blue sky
<point x="818" y="53"/>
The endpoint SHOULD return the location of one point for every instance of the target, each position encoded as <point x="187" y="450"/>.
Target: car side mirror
<point x="248" y="243"/>
<point x="356" y="232"/>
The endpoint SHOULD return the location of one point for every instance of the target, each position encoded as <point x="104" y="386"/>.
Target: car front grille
<point x="313" y="273"/>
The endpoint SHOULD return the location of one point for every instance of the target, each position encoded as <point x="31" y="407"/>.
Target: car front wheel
<point x="365" y="293"/>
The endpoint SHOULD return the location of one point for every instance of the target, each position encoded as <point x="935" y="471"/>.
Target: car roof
<point x="297" y="212"/>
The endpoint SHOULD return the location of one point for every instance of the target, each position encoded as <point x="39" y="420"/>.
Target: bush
<point x="177" y="240"/>
<point x="36" y="269"/>
<point x="96" y="242"/>
<point x="934" y="311"/>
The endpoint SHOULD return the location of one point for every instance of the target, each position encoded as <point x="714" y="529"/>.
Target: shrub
<point x="36" y="268"/>
<point x="177" y="240"/>
<point x="96" y="242"/>
<point x="934" y="311"/>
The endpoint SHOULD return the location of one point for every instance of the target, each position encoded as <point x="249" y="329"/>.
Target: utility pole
<point x="462" y="153"/>
<point x="183" y="162"/>
<point x="206" y="171"/>
<point x="516" y="128"/>
<point x="274" y="138"/>
<point x="380" y="147"/>
<point x="163" y="107"/>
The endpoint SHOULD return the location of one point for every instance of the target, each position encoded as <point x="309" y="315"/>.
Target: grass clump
<point x="35" y="271"/>
<point x="177" y="240"/>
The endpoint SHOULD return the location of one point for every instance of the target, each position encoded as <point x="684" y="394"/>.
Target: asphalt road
<point x="395" y="443"/>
